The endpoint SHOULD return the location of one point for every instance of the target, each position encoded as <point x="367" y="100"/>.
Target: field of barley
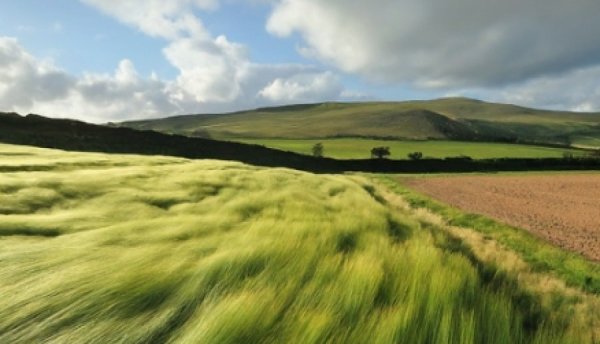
<point x="98" y="248"/>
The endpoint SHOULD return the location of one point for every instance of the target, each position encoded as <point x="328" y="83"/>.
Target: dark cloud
<point x="446" y="43"/>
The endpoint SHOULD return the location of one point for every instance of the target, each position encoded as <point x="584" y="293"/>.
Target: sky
<point x="113" y="60"/>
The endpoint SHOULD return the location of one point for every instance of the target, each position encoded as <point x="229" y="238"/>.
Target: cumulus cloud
<point x="302" y="88"/>
<point x="215" y="74"/>
<point x="445" y="44"/>
<point x="210" y="68"/>
<point x="24" y="80"/>
<point x="213" y="70"/>
<point x="28" y="84"/>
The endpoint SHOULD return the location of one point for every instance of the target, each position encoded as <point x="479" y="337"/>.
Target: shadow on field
<point x="529" y="306"/>
<point x="33" y="232"/>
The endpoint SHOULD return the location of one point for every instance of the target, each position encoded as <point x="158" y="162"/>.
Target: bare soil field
<point x="563" y="209"/>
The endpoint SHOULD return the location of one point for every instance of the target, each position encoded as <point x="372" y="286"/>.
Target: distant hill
<point x="448" y="118"/>
<point x="34" y="130"/>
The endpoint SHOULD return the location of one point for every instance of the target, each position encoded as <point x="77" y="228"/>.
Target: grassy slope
<point x="314" y="121"/>
<point x="99" y="248"/>
<point x="454" y="118"/>
<point x="351" y="148"/>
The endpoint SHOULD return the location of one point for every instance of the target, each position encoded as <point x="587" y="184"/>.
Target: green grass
<point x="125" y="249"/>
<point x="361" y="148"/>
<point x="450" y="118"/>
<point x="586" y="141"/>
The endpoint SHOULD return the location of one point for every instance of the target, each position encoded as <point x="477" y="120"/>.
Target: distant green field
<point x="98" y="248"/>
<point x="361" y="148"/>
<point x="586" y="142"/>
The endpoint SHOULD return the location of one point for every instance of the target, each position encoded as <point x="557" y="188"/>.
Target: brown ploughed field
<point x="563" y="209"/>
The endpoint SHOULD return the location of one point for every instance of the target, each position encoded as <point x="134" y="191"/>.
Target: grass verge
<point x="542" y="256"/>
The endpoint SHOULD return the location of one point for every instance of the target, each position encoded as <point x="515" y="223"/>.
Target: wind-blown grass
<point x="126" y="249"/>
<point x="573" y="268"/>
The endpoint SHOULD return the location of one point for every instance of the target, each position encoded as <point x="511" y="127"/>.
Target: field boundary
<point x="550" y="292"/>
<point x="542" y="256"/>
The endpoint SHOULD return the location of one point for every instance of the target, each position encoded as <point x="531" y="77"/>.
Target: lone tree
<point x="380" y="152"/>
<point x="415" y="156"/>
<point x="317" y="150"/>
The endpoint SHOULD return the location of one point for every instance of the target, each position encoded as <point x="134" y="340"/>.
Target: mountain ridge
<point x="445" y="118"/>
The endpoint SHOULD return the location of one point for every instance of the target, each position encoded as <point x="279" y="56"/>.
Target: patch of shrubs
<point x="415" y="156"/>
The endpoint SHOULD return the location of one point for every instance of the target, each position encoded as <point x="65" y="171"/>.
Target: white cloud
<point x="166" y="19"/>
<point x="303" y="88"/>
<point x="209" y="70"/>
<point x="108" y="97"/>
<point x="577" y="90"/>
<point x="215" y="74"/>
<point x="445" y="44"/>
<point x="25" y="80"/>
<point x="31" y="85"/>
<point x="228" y="82"/>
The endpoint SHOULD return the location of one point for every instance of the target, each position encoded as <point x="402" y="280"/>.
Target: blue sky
<point x="81" y="39"/>
<point x="108" y="59"/>
<point x="78" y="37"/>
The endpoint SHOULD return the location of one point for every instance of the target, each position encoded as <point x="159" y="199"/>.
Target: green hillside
<point x="450" y="118"/>
<point x="98" y="248"/>
<point x="72" y="135"/>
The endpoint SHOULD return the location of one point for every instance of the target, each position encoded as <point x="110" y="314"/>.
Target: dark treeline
<point x="72" y="135"/>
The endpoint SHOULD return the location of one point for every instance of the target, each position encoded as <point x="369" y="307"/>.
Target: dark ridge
<point x="449" y="128"/>
<point x="10" y="114"/>
<point x="74" y="135"/>
<point x="65" y="134"/>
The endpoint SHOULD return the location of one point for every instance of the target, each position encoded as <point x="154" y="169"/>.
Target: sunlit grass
<point x="356" y="148"/>
<point x="134" y="249"/>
